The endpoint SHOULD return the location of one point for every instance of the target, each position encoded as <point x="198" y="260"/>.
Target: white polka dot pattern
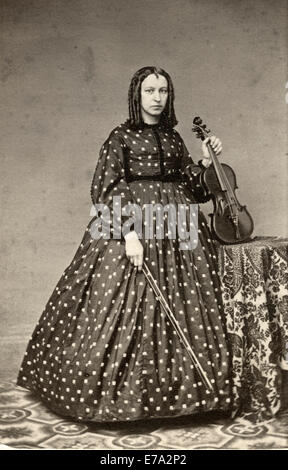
<point x="103" y="350"/>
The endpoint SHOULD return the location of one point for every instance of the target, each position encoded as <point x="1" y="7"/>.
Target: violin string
<point x="235" y="203"/>
<point x="227" y="183"/>
<point x="222" y="179"/>
<point x="219" y="176"/>
<point x="218" y="170"/>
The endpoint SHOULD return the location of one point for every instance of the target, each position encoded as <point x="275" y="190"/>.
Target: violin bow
<point x="160" y="297"/>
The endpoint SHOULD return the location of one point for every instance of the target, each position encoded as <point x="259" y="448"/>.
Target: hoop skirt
<point x="103" y="349"/>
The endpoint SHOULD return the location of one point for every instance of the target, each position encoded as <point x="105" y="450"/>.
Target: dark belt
<point x="165" y="178"/>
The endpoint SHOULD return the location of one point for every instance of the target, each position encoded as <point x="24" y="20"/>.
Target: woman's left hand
<point x="216" y="145"/>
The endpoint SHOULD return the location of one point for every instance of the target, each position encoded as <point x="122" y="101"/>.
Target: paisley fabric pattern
<point x="255" y="293"/>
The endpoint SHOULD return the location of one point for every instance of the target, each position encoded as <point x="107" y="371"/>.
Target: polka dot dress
<point x="103" y="349"/>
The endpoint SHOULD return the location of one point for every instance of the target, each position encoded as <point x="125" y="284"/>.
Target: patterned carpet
<point x="26" y="424"/>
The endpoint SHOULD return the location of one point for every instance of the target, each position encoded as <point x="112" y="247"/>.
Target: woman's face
<point x="154" y="94"/>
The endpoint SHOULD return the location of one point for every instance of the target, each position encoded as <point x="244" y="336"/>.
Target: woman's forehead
<point x="155" y="81"/>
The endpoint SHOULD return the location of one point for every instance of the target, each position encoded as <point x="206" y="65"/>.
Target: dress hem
<point x="195" y="411"/>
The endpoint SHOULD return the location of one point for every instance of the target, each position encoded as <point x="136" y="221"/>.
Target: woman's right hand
<point x="134" y="249"/>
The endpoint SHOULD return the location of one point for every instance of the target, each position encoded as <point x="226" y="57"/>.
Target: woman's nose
<point x="157" y="96"/>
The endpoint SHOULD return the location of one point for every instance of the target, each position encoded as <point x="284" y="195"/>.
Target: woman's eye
<point x="150" y="91"/>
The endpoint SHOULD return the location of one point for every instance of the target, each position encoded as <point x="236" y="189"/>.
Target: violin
<point x="230" y="222"/>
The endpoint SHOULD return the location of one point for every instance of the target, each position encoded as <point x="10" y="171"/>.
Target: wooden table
<point x="255" y="292"/>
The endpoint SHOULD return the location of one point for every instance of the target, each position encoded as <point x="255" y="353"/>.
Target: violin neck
<point x="218" y="168"/>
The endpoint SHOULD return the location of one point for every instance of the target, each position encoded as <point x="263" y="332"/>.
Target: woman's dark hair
<point x="167" y="118"/>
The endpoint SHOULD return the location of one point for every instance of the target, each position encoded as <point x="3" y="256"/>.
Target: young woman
<point x="103" y="349"/>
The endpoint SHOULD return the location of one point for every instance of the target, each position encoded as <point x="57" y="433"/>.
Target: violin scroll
<point x="200" y="129"/>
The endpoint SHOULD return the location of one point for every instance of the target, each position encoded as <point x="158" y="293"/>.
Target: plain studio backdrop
<point x="65" y="72"/>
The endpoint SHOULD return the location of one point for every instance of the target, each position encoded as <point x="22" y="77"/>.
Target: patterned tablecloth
<point x="255" y="293"/>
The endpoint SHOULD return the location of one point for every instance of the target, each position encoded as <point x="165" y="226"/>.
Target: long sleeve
<point x="109" y="179"/>
<point x="192" y="171"/>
